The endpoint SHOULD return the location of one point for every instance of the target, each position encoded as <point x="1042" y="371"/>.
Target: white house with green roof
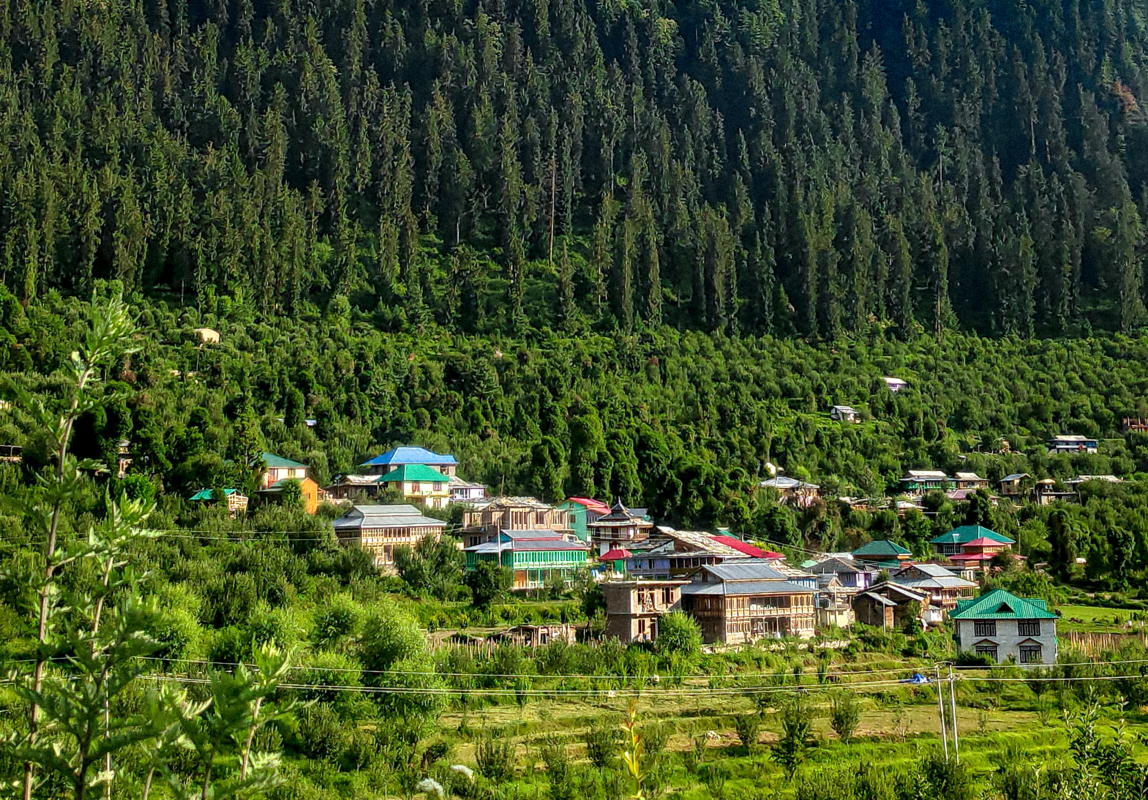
<point x="277" y="468"/>
<point x="418" y="483"/>
<point x="1002" y="626"/>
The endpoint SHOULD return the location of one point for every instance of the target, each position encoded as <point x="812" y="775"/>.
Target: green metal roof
<point x="208" y="494"/>
<point x="414" y="473"/>
<point x="967" y="533"/>
<point x="881" y="547"/>
<point x="999" y="604"/>
<point x="272" y="461"/>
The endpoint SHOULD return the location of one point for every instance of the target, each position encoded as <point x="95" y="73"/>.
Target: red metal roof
<point x="615" y="555"/>
<point x="984" y="541"/>
<point x="746" y="547"/>
<point x="590" y="504"/>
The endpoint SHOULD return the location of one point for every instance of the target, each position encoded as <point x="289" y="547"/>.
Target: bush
<point x="321" y="733"/>
<point x="844" y="715"/>
<point x="748" y="728"/>
<point x="488" y="583"/>
<point x="678" y="634"/>
<point x="559" y="773"/>
<point x="495" y="757"/>
<point x="602" y="743"/>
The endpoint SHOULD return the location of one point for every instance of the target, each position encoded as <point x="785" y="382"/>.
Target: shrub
<point x="495" y="758"/>
<point x="748" y="728"/>
<point x="796" y="728"/>
<point x="844" y="715"/>
<point x="602" y="745"/>
<point x="678" y="634"/>
<point x="559" y="773"/>
<point x="321" y="733"/>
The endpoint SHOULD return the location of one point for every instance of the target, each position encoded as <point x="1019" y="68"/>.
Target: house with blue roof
<point x="411" y="456"/>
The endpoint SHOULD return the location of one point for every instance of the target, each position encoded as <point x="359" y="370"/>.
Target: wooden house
<point x="888" y="606"/>
<point x="535" y="557"/>
<point x="970" y="480"/>
<point x="484" y="519"/>
<point x="743" y="602"/>
<point x="236" y="502"/>
<point x="953" y="543"/>
<point x="1014" y="485"/>
<point x="379" y="529"/>
<point x="633" y="608"/>
<point x="619" y="528"/>
<point x="943" y="587"/>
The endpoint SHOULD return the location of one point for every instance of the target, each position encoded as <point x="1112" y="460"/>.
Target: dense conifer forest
<point x="803" y="166"/>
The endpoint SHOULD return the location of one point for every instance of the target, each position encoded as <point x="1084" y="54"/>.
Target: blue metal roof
<point x="409" y="455"/>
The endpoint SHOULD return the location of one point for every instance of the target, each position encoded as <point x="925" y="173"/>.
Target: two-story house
<point x="1001" y="625"/>
<point x="620" y="528"/>
<point x="535" y="557"/>
<point x="742" y="602"/>
<point x="881" y="554"/>
<point x="278" y="470"/>
<point x="921" y="481"/>
<point x="970" y="480"/>
<point x="633" y="608"/>
<point x="1072" y="443"/>
<point x="943" y="587"/>
<point x="418" y="483"/>
<point x="853" y="576"/>
<point x="583" y="511"/>
<point x="954" y="542"/>
<point x="380" y="529"/>
<point x="408" y="456"/>
<point x="486" y="518"/>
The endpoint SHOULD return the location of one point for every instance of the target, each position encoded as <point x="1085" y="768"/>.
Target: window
<point x="987" y="650"/>
<point x="1028" y="627"/>
<point x="986" y="627"/>
<point x="1030" y="654"/>
<point x="438" y="486"/>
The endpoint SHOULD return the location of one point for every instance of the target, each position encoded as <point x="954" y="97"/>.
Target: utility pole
<point x="953" y="715"/>
<point x="941" y="709"/>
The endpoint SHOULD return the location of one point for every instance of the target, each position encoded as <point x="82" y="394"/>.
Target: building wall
<point x="1008" y="638"/>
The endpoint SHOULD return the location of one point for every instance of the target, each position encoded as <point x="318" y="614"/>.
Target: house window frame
<point x="984" y="627"/>
<point x="1028" y="627"/>
<point x="987" y="650"/>
<point x="1031" y="654"/>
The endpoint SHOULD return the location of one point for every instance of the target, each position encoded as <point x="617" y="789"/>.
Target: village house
<point x="619" y="528"/>
<point x="583" y="511"/>
<point x="409" y="456"/>
<point x="742" y="602"/>
<point x="236" y="502"/>
<point x="633" y="608"/>
<point x="207" y="335"/>
<point x="1072" y="443"/>
<point x="1134" y="425"/>
<point x="1047" y="491"/>
<point x="1014" y="485"/>
<point x="417" y="483"/>
<point x="535" y="557"/>
<point x="834" y="609"/>
<point x="462" y="491"/>
<point x="379" y="529"/>
<point x="278" y="470"/>
<point x="843" y="414"/>
<point x="345" y="487"/>
<point x="1002" y="626"/>
<point x="791" y="490"/>
<point x="941" y="585"/>
<point x="918" y="482"/>
<point x="881" y="554"/>
<point x="970" y="480"/>
<point x="486" y="518"/>
<point x="951" y="544"/>
<point x="668" y="554"/>
<point x="895" y="384"/>
<point x="889" y="606"/>
<point x="853" y="576"/>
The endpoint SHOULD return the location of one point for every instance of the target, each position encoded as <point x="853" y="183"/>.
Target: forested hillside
<point x="807" y="166"/>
